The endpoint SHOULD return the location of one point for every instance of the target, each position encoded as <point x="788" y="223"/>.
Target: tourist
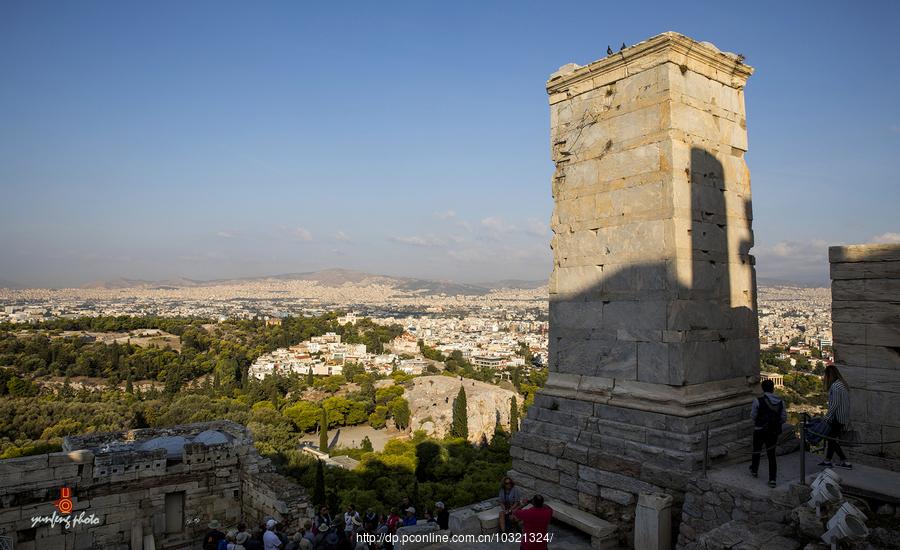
<point x="308" y="533"/>
<point x="509" y="501"/>
<point x="768" y="414"/>
<point x="535" y="521"/>
<point x="323" y="518"/>
<point x="371" y="520"/>
<point x="213" y="536"/>
<point x="443" y="516"/>
<point x="410" y="518"/>
<point x="241" y="539"/>
<point x="838" y="416"/>
<point x="297" y="541"/>
<point x="351" y="521"/>
<point x="255" y="542"/>
<point x="393" y="523"/>
<point x="228" y="542"/>
<point x="271" y="541"/>
<point x="322" y="532"/>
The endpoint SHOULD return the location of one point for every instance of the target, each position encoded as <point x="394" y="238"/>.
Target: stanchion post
<point x="705" y="450"/>
<point x="803" y="450"/>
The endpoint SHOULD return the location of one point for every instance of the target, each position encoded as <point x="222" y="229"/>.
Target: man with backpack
<point x="768" y="414"/>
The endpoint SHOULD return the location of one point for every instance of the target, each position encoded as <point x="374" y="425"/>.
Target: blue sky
<point x="220" y="139"/>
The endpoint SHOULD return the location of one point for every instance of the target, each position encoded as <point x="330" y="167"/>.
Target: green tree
<point x="310" y="379"/>
<point x="323" y="431"/>
<point x="378" y="419"/>
<point x="319" y="487"/>
<point x="400" y="411"/>
<point x="366" y="445"/>
<point x="303" y="414"/>
<point x="19" y="387"/>
<point x="427" y="455"/>
<point x="460" y="425"/>
<point x="513" y="415"/>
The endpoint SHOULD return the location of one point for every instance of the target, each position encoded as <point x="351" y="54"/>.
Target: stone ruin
<point x="153" y="488"/>
<point x="865" y="315"/>
<point x="653" y="327"/>
<point x="654" y="350"/>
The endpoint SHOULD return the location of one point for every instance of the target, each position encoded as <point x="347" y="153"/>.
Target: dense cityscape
<point x="491" y="323"/>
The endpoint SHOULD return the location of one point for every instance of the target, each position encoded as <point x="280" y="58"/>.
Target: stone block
<point x="614" y="495"/>
<point x="464" y="521"/>
<point x="864" y="253"/>
<point x="866" y="270"/>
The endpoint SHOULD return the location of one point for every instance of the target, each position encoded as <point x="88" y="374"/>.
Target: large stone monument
<point x="865" y="314"/>
<point x="653" y="328"/>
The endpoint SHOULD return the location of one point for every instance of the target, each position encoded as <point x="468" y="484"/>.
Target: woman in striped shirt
<point x="838" y="415"/>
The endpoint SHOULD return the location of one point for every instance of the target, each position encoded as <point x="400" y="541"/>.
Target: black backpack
<point x="768" y="416"/>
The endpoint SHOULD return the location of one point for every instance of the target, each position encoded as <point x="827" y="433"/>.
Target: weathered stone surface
<point x="653" y="331"/>
<point x="866" y="329"/>
<point x="126" y="486"/>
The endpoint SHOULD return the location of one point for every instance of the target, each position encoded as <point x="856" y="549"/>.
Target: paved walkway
<point x="863" y="481"/>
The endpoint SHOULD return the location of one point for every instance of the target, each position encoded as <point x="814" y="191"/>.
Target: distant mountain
<point x="516" y="283"/>
<point x="766" y="281"/>
<point x="333" y="278"/>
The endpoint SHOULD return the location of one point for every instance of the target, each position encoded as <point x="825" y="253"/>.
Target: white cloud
<point x="301" y="234"/>
<point x="225" y="235"/>
<point x="497" y="225"/>
<point x="801" y="261"/>
<point x="536" y="227"/>
<point x="446" y="215"/>
<point x="341" y="236"/>
<point x="887" y="238"/>
<point x="416" y="240"/>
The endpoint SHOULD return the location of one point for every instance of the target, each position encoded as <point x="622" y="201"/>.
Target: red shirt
<point x="534" y="523"/>
<point x="393" y="522"/>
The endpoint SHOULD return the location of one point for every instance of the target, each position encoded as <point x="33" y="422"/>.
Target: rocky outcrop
<point x="431" y="403"/>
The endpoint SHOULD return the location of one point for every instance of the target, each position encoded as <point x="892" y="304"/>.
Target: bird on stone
<point x="609" y="51"/>
<point x="623" y="47"/>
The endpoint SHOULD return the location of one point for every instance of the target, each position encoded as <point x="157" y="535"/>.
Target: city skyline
<point x="217" y="141"/>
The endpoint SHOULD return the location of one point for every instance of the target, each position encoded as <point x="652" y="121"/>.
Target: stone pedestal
<point x="653" y="522"/>
<point x="653" y="328"/>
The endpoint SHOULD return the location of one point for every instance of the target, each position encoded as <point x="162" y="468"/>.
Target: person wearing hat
<point x="410" y="518"/>
<point x="351" y="521"/>
<point x="240" y="539"/>
<point x="213" y="536"/>
<point x="270" y="537"/>
<point x="442" y="515"/>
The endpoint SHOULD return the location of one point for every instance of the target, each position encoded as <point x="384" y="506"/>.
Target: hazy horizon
<point x="216" y="141"/>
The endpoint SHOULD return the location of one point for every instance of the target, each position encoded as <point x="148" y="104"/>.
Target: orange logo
<point x="64" y="504"/>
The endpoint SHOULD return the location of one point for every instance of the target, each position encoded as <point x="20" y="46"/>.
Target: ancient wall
<point x="865" y="314"/>
<point x="132" y="490"/>
<point x="720" y="515"/>
<point x="653" y="331"/>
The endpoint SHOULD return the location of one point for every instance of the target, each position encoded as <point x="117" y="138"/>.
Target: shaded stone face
<point x="140" y="483"/>
<point x="653" y="327"/>
<point x="865" y="314"/>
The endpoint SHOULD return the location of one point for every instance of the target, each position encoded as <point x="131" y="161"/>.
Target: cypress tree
<point x="460" y="426"/>
<point x="323" y="431"/>
<point x="319" y="487"/>
<point x="309" y="378"/>
<point x="513" y="415"/>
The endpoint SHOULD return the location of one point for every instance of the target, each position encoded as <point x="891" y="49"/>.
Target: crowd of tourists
<point x="326" y="531"/>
